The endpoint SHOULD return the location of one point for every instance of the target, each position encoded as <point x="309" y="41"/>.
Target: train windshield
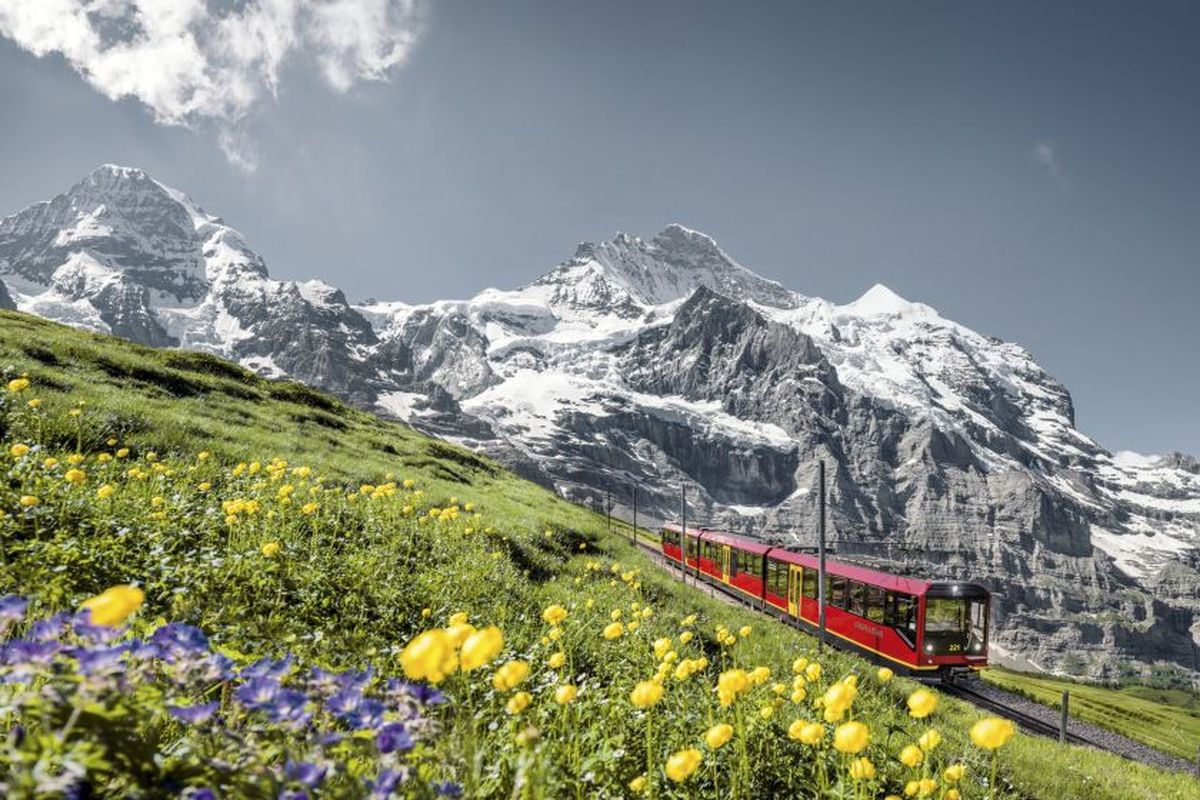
<point x="955" y="625"/>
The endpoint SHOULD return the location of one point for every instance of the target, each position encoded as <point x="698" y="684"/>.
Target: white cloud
<point x="1044" y="154"/>
<point x="192" y="61"/>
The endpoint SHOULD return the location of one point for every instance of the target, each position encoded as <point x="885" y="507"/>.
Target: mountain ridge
<point x="664" y="362"/>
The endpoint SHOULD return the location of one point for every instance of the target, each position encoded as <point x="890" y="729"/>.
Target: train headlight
<point x="928" y="648"/>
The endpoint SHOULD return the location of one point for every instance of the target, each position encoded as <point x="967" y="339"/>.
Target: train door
<point x="725" y="563"/>
<point x="793" y="598"/>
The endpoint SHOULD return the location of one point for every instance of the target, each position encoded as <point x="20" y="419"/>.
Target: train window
<point x="733" y="564"/>
<point x="691" y="547"/>
<point x="874" y="604"/>
<point x="835" y="591"/>
<point x="856" y="595"/>
<point x="777" y="577"/>
<point x="809" y="584"/>
<point x="900" y="612"/>
<point x="955" y="625"/>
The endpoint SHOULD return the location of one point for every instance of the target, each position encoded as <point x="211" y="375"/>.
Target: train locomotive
<point x="930" y="629"/>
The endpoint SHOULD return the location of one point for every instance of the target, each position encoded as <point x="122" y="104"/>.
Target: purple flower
<point x="368" y="715"/>
<point x="266" y="668"/>
<point x="177" y="640"/>
<point x="12" y="608"/>
<point x="201" y="794"/>
<point x="288" y="706"/>
<point x="50" y="628"/>
<point x="101" y="660"/>
<point x="28" y="652"/>
<point x="355" y="679"/>
<point x="194" y="715"/>
<point x="427" y="695"/>
<point x="344" y="702"/>
<point x="393" y="737"/>
<point x="257" y="692"/>
<point x="385" y="784"/>
<point x="447" y="789"/>
<point x="82" y="625"/>
<point x="309" y="775"/>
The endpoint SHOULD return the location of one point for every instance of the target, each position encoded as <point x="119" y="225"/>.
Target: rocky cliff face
<point x="663" y="363"/>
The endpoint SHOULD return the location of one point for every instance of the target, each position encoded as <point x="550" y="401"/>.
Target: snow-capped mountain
<point x="663" y="363"/>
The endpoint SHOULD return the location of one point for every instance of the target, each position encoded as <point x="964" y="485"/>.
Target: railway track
<point x="1028" y="722"/>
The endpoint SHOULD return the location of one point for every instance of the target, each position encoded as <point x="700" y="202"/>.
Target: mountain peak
<point x="879" y="301"/>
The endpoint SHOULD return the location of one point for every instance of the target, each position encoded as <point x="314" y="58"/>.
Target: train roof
<point x="887" y="580"/>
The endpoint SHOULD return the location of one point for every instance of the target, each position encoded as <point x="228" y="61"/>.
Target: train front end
<point x="954" y="628"/>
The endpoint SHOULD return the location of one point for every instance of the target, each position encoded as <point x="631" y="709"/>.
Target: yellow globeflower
<point x="911" y="788"/>
<point x="18" y="450"/>
<point x="813" y="672"/>
<point x="681" y="765"/>
<point x="766" y="712"/>
<point x="557" y="660"/>
<point x="115" y="605"/>
<point x="459" y="633"/>
<point x="911" y="756"/>
<point x="616" y="614"/>
<point x="518" y="703"/>
<point x="510" y="675"/>
<point x="884" y="674"/>
<point x="481" y="647"/>
<point x="744" y="631"/>
<point x="952" y="794"/>
<point x="926" y="787"/>
<point x="430" y="656"/>
<point x="646" y="694"/>
<point x="861" y="769"/>
<point x="632" y="626"/>
<point x="613" y="630"/>
<point x="839" y="697"/>
<point x="105" y="491"/>
<point x="930" y="739"/>
<point x="28" y="501"/>
<point x="686" y="637"/>
<point x="954" y="773"/>
<point x="76" y="476"/>
<point x="271" y="549"/>
<point x="566" y="693"/>
<point x="457" y="618"/>
<point x="992" y="732"/>
<point x="921" y="703"/>
<point x="662" y="646"/>
<point x="688" y="621"/>
<point x="799" y="664"/>
<point x="554" y="615"/>
<point x="17" y="385"/>
<point x="851" y="737"/>
<point x="812" y="733"/>
<point x="638" y="784"/>
<point x="716" y="736"/>
<point x="759" y="675"/>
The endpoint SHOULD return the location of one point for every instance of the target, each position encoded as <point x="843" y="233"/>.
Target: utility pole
<point x="684" y="541"/>
<point x="635" y="515"/>
<point x="1062" y="724"/>
<point x="608" y="505"/>
<point x="821" y="556"/>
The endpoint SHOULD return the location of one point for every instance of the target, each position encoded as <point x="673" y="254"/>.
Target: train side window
<point x="900" y="612"/>
<point x="836" y="591"/>
<point x="856" y="595"/>
<point x="779" y="577"/>
<point x="772" y="576"/>
<point x="809" y="584"/>
<point x="875" y="603"/>
<point x="733" y="564"/>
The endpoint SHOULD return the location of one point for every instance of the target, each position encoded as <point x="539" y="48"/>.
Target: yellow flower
<point x="681" y="765"/>
<point x="17" y="385"/>
<point x="799" y="664"/>
<point x="565" y="693"/>
<point x="813" y="672"/>
<point x="204" y="487"/>
<point x="518" y="702"/>
<point x="457" y="618"/>
<point x="115" y="605"/>
<point x="992" y="732"/>
<point x="638" y="784"/>
<point x="50" y="463"/>
<point x="646" y="694"/>
<point x="510" y="676"/>
<point x="861" y="769"/>
<point x="799" y="695"/>
<point x="911" y="788"/>
<point x="766" y="712"/>
<point x="954" y="773"/>
<point x="18" y="450"/>
<point x="911" y="756"/>
<point x="75" y="458"/>
<point x="459" y="633"/>
<point x="811" y="733"/>
<point x="688" y="621"/>
<point x="952" y="794"/>
<point x="686" y="637"/>
<point x="744" y="631"/>
<point x="921" y="703"/>
<point x="616" y="614"/>
<point x="430" y="656"/>
<point x="925" y="787"/>
<point x="613" y="630"/>
<point x="662" y="647"/>
<point x="28" y="501"/>
<point x="308" y="509"/>
<point x="555" y="634"/>
<point x="76" y="476"/>
<point x="632" y="626"/>
<point x="481" y="647"/>
<point x="929" y="739"/>
<point x="884" y="674"/>
<point x="35" y="403"/>
<point x="557" y="660"/>
<point x="839" y="697"/>
<point x="759" y="675"/>
<point x="851" y="737"/>
<point x="105" y="491"/>
<point x="271" y="549"/>
<point x="554" y="615"/>
<point x="716" y="736"/>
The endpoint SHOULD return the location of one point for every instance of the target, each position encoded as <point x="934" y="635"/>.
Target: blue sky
<point x="1030" y="169"/>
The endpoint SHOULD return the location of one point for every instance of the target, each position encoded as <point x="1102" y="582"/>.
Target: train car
<point x="916" y="626"/>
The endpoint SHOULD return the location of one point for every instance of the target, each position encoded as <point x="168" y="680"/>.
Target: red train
<point x="914" y="626"/>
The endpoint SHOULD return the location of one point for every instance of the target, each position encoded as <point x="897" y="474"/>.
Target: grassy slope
<point x="1166" y="719"/>
<point x="364" y="600"/>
